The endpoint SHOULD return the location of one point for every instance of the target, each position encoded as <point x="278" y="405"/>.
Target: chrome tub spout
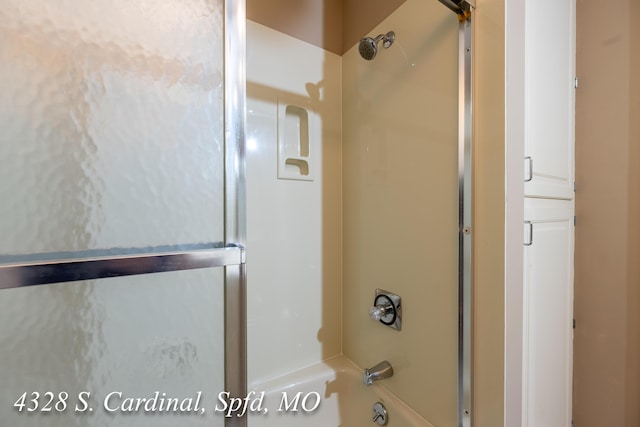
<point x="380" y="371"/>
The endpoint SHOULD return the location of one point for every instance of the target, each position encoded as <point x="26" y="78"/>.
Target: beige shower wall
<point x="607" y="276"/>
<point x="400" y="206"/>
<point x="372" y="159"/>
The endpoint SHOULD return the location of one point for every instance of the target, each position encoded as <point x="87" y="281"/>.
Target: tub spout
<point x="380" y="371"/>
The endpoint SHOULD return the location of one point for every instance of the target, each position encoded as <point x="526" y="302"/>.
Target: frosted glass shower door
<point x="113" y="198"/>
<point x="73" y="353"/>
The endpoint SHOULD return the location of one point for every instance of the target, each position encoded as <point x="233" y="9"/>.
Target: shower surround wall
<point x="293" y="227"/>
<point x="270" y="330"/>
<point x="400" y="128"/>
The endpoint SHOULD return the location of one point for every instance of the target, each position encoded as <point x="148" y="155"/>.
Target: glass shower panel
<point x="112" y="125"/>
<point x="107" y="340"/>
<point x="112" y="143"/>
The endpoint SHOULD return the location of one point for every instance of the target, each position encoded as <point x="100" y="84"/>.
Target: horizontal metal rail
<point x="17" y="275"/>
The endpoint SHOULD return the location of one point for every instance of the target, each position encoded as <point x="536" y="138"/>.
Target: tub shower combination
<point x="114" y="238"/>
<point x="345" y="400"/>
<point x="336" y="392"/>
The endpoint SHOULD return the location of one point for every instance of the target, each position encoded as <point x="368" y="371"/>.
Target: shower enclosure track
<point x="464" y="9"/>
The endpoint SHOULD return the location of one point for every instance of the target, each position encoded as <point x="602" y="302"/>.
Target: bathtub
<point x="329" y="394"/>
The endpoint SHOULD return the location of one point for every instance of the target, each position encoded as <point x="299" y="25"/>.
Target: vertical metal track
<point x="464" y="10"/>
<point x="465" y="218"/>
<point x="235" y="340"/>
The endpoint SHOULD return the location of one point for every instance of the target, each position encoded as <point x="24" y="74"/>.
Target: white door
<point x="548" y="312"/>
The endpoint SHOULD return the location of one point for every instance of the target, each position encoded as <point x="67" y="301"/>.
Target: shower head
<point x="368" y="46"/>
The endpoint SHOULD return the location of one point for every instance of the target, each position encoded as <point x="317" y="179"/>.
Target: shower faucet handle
<point x="387" y="309"/>
<point x="379" y="311"/>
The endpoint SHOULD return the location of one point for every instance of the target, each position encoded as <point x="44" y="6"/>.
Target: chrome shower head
<point x="368" y="47"/>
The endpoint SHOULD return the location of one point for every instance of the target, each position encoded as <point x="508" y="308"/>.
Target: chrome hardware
<point x="530" y="178"/>
<point x="388" y="39"/>
<point x="380" y="414"/>
<point x="530" y="242"/>
<point x="381" y="371"/>
<point x="387" y="309"/>
<point x="90" y="265"/>
<point x="381" y="311"/>
<point x="368" y="46"/>
<point x="459" y="6"/>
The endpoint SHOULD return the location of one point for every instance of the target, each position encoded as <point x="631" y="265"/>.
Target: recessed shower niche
<point x="295" y="146"/>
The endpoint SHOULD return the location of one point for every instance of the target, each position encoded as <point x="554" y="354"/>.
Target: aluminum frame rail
<point x="464" y="9"/>
<point x="16" y="275"/>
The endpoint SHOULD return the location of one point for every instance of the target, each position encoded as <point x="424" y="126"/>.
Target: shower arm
<point x="380" y="37"/>
<point x="387" y="39"/>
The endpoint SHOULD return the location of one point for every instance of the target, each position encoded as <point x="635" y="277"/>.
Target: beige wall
<point x="320" y="22"/>
<point x="313" y="21"/>
<point x="633" y="302"/>
<point x="359" y="17"/>
<point x="607" y="282"/>
<point x="489" y="173"/>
